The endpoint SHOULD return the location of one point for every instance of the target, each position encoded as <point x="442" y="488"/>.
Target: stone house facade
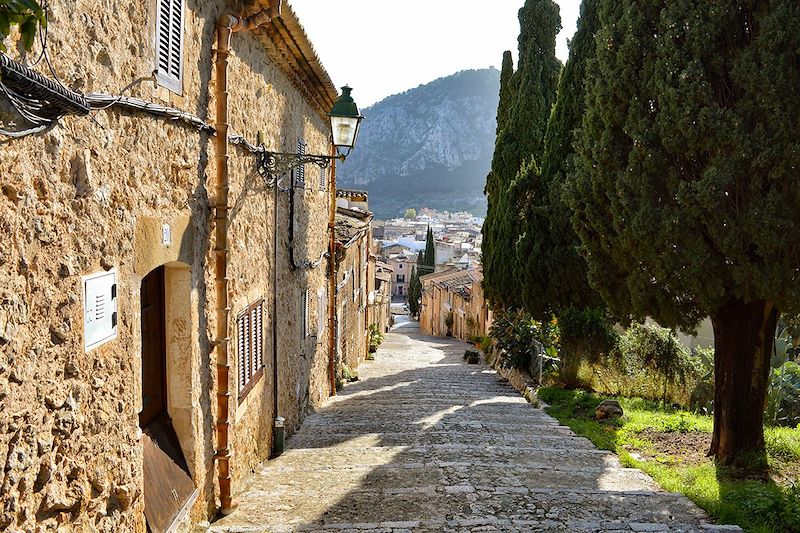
<point x="401" y="265"/>
<point x="353" y="277"/>
<point x="380" y="310"/>
<point x="114" y="285"/>
<point x="458" y="292"/>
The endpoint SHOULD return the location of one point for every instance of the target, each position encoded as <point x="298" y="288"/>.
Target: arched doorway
<point x="168" y="487"/>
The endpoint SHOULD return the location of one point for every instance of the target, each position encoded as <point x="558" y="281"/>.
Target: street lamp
<point x="345" y="123"/>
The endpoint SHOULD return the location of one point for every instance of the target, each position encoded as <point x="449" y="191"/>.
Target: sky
<point x="382" y="48"/>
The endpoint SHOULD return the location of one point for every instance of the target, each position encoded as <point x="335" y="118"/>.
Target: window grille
<point x="169" y="44"/>
<point x="300" y="172"/>
<point x="250" y="346"/>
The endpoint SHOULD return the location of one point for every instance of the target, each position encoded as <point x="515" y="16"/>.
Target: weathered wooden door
<point x="167" y="485"/>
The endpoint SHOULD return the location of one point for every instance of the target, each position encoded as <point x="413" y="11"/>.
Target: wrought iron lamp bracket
<point x="276" y="163"/>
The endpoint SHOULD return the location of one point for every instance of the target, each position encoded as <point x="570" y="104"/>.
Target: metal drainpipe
<point x="332" y="283"/>
<point x="228" y="24"/>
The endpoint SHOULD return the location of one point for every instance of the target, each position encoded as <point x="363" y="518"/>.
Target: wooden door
<point x="168" y="488"/>
<point x="154" y="360"/>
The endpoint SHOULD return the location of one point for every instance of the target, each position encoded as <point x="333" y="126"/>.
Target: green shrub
<point x="472" y="357"/>
<point x="783" y="397"/>
<point x="658" y="351"/>
<point x="519" y="338"/>
<point x="486" y="344"/>
<point x="586" y="335"/>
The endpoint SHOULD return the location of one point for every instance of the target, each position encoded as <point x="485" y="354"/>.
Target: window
<point x="250" y="346"/>
<point x="300" y="172"/>
<point x="401" y="278"/>
<point x="400" y="266"/>
<point x="169" y="44"/>
<point x="322" y="311"/>
<point x="304" y="325"/>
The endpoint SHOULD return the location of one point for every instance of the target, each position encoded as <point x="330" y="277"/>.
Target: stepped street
<point x="424" y="442"/>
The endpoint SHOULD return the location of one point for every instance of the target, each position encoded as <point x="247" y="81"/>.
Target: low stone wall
<point x="518" y="378"/>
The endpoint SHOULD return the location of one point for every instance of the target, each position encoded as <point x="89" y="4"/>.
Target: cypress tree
<point x="526" y="99"/>
<point x="685" y="188"/>
<point x="414" y="293"/>
<point x="493" y="258"/>
<point x="429" y="258"/>
<point x="553" y="275"/>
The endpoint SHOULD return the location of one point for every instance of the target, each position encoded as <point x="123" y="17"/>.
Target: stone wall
<point x="93" y="194"/>
<point x="351" y="304"/>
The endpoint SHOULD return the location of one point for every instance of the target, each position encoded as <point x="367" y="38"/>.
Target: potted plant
<point x="375" y="338"/>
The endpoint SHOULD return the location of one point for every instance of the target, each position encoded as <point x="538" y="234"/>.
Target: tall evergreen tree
<point x="553" y="274"/>
<point x="526" y="98"/>
<point x="686" y="187"/>
<point x="414" y="293"/>
<point x="429" y="257"/>
<point x="493" y="259"/>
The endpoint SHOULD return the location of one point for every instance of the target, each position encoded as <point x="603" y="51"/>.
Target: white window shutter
<point x="169" y="43"/>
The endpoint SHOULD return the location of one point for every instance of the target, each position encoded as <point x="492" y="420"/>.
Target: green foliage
<point x="472" y="357"/>
<point x="526" y="98"/>
<point x="414" y="293"/>
<point x="587" y="335"/>
<point x="520" y="339"/>
<point x="449" y="319"/>
<point x="658" y="351"/>
<point x="783" y="398"/>
<point x="27" y="15"/>
<point x="486" y="344"/>
<point x="375" y="336"/>
<point x="410" y="213"/>
<point x="553" y="276"/>
<point x="428" y="258"/>
<point x="754" y="505"/>
<point x="348" y="374"/>
<point x="685" y="160"/>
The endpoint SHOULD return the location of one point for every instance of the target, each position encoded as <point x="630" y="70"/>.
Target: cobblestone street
<point x="424" y="442"/>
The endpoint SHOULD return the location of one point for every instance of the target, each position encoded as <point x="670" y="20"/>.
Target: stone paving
<point x="426" y="443"/>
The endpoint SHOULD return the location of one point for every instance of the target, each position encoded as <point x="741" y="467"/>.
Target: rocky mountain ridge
<point x="427" y="147"/>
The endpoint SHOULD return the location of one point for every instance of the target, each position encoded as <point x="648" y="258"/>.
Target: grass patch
<point x="670" y="446"/>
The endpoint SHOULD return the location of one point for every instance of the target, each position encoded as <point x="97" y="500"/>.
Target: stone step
<point x="336" y="425"/>
<point x="471" y="525"/>
<point x="452" y="503"/>
<point x="335" y="478"/>
<point x="424" y="438"/>
<point x="445" y="455"/>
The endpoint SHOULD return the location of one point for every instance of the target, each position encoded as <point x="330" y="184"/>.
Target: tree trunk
<point x="744" y="335"/>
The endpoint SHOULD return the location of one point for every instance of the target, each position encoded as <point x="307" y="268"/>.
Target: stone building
<point x="380" y="310"/>
<point x="457" y="293"/>
<point x="401" y="264"/>
<point x="151" y="325"/>
<point x="353" y="276"/>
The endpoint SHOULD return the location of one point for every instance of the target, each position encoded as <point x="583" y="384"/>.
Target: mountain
<point x="427" y="147"/>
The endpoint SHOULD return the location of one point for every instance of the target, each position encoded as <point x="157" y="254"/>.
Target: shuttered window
<point x="322" y="311"/>
<point x="169" y="44"/>
<point x="300" y="172"/>
<point x="250" y="346"/>
<point x="305" y="327"/>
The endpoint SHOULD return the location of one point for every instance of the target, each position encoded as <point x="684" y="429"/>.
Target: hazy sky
<point x="382" y="48"/>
